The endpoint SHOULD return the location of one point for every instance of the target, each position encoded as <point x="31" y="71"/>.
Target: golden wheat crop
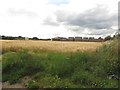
<point x="14" y="45"/>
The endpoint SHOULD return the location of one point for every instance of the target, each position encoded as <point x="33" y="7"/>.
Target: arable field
<point x="61" y="46"/>
<point x="52" y="64"/>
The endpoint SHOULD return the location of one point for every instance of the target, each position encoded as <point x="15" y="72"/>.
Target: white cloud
<point x="38" y="17"/>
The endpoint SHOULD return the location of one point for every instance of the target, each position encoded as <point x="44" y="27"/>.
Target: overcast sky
<point x="52" y="18"/>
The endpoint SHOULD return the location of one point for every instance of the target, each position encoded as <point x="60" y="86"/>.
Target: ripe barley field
<point x="60" y="46"/>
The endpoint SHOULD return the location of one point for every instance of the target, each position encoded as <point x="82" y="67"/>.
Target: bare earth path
<point x="21" y="84"/>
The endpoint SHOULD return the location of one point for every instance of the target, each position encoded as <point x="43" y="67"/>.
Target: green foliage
<point x="108" y="38"/>
<point x="19" y="64"/>
<point x="107" y="59"/>
<point x="49" y="81"/>
<point x="104" y="83"/>
<point x="35" y="38"/>
<point x="82" y="77"/>
<point x="32" y="85"/>
<point x="82" y="60"/>
<point x="97" y="69"/>
<point x="58" y="64"/>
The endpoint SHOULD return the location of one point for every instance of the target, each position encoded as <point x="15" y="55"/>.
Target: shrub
<point x="107" y="59"/>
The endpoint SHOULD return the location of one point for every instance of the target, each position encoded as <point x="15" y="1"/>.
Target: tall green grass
<point x="97" y="69"/>
<point x="15" y="65"/>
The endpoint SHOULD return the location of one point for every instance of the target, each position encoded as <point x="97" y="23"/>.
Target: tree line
<point x="3" y="37"/>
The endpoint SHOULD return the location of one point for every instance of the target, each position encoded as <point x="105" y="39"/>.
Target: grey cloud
<point x="76" y="29"/>
<point x="102" y="32"/>
<point x="95" y="18"/>
<point x="119" y="15"/>
<point x="0" y="14"/>
<point x="58" y="2"/>
<point x="81" y="30"/>
<point x="14" y="11"/>
<point x="63" y="16"/>
<point x="50" y="21"/>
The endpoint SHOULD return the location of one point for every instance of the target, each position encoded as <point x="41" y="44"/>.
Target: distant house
<point x="59" y="39"/>
<point x="100" y="38"/>
<point x="26" y="38"/>
<point x="88" y="39"/>
<point x="63" y="39"/>
<point x="70" y="38"/>
<point x="85" y="39"/>
<point x="56" y="39"/>
<point x="91" y="38"/>
<point x="78" y="38"/>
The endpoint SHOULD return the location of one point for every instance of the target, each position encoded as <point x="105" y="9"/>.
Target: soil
<point x="21" y="84"/>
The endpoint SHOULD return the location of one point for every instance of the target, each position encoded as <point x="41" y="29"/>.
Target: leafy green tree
<point x="108" y="38"/>
<point x="35" y="38"/>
